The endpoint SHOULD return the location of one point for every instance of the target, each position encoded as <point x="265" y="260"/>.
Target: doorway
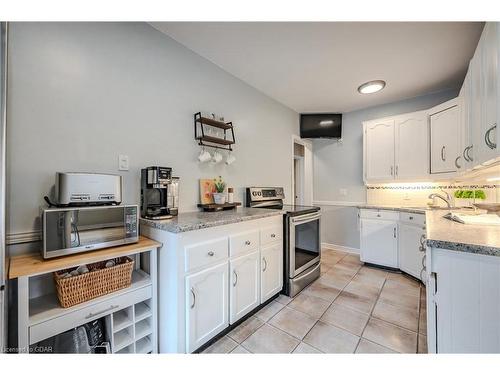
<point x="301" y="172"/>
<point x="298" y="174"/>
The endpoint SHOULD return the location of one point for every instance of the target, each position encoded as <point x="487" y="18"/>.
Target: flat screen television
<point x="321" y="125"/>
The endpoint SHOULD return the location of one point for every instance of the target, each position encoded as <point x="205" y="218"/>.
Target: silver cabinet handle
<point x="464" y="153"/>
<point x="235" y="278"/>
<point x="421" y="272"/>
<point x="265" y="264"/>
<point x="112" y="307"/>
<point x="468" y="155"/>
<point x="422" y="239"/>
<point x="247" y="243"/>
<point x="443" y="155"/>
<point x="411" y="218"/>
<point x="394" y="232"/>
<point x="378" y="215"/>
<point x="194" y="298"/>
<point x="211" y="253"/>
<point x="397" y="169"/>
<point x="273" y="235"/>
<point x="456" y="162"/>
<point x="423" y="260"/>
<point x="492" y="145"/>
<point x="392" y="170"/>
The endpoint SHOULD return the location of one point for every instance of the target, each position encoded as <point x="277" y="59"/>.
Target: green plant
<point x="470" y="194"/>
<point x="220" y="185"/>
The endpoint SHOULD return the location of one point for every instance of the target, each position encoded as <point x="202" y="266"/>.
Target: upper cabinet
<point x="445" y="137"/>
<point x="396" y="148"/>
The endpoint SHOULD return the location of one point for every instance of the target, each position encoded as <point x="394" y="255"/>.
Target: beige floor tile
<point x="323" y="291"/>
<point x="399" y="315"/>
<point x="391" y="336"/>
<point x="347" y="270"/>
<point x="407" y="289"/>
<point x="334" y="280"/>
<point x="330" y="259"/>
<point x="268" y="339"/>
<point x="373" y="272"/>
<point x="269" y="311"/>
<point x="376" y="282"/>
<point x="284" y="300"/>
<point x="221" y="346"/>
<point x="293" y="322"/>
<point x="403" y="279"/>
<point x="352" y="259"/>
<point x="333" y="251"/>
<point x="346" y="318"/>
<point x="304" y="348"/>
<point x="422" y="344"/>
<point x="363" y="289"/>
<point x="324" y="268"/>
<point x="355" y="301"/>
<point x="368" y="347"/>
<point x="245" y="329"/>
<point x="240" y="350"/>
<point x="313" y="306"/>
<point x="330" y="339"/>
<point x="398" y="298"/>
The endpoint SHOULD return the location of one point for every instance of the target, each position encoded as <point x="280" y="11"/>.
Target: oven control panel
<point x="265" y="193"/>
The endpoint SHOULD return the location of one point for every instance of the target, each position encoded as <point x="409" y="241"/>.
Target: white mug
<point x="230" y="158"/>
<point x="217" y="157"/>
<point x="204" y="156"/>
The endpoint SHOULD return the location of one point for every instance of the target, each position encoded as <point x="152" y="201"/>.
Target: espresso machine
<point x="159" y="193"/>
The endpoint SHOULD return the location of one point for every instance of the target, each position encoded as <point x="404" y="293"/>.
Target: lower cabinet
<point x="244" y="292"/>
<point x="379" y="244"/>
<point x="206" y="305"/>
<point x="410" y="257"/>
<point x="272" y="271"/>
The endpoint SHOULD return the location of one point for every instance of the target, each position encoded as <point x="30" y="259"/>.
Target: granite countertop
<point x="413" y="210"/>
<point x="446" y="234"/>
<point x="189" y="221"/>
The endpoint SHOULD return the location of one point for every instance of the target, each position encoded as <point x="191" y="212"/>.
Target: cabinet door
<point x="412" y="146"/>
<point x="379" y="242"/>
<point x="271" y="263"/>
<point x="206" y="305"/>
<point x="410" y="256"/>
<point x="475" y="110"/>
<point x="244" y="293"/>
<point x="462" y="162"/>
<point x="487" y="148"/>
<point x="444" y="140"/>
<point x="379" y="150"/>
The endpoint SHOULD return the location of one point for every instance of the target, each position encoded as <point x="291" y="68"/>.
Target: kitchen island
<point x="215" y="269"/>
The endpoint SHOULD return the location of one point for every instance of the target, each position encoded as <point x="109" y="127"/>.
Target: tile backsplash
<point x="416" y="194"/>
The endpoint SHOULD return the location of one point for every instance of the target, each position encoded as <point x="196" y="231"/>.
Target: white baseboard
<point x="332" y="246"/>
<point x="23" y="237"/>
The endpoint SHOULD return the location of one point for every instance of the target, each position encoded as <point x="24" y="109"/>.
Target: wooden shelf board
<point x="212" y="122"/>
<point x="219" y="141"/>
<point x="47" y="306"/>
<point x="34" y="264"/>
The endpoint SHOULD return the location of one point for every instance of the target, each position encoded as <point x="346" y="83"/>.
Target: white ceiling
<point x="317" y="67"/>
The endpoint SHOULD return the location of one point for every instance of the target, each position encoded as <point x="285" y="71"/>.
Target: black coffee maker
<point x="159" y="193"/>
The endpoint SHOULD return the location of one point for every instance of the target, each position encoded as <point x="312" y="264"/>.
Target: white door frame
<point x="307" y="171"/>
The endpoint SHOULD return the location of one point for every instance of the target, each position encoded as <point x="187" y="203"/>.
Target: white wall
<point x="340" y="166"/>
<point x="82" y="93"/>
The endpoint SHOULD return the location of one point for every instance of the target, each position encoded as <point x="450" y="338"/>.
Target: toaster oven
<point x="71" y="230"/>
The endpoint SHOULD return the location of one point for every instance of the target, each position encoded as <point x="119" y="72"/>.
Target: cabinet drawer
<point x="271" y="234"/>
<point x="206" y="253"/>
<point x="411" y="218"/>
<point x="86" y="314"/>
<point x="379" y="214"/>
<point x="243" y="242"/>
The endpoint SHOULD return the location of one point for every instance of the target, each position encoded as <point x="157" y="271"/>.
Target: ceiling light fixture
<point x="371" y="87"/>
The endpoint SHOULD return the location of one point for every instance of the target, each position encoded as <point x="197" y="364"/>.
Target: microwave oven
<point x="72" y="230"/>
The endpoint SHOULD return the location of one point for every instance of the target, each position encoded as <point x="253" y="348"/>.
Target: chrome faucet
<point x="446" y="199"/>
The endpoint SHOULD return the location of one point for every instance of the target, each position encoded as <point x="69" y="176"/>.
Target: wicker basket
<point x="98" y="282"/>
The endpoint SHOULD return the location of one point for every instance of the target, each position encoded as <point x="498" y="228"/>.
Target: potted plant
<point x="467" y="197"/>
<point x="220" y="186"/>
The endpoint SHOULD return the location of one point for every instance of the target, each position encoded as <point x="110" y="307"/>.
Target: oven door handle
<point x="305" y="218"/>
<point x="311" y="270"/>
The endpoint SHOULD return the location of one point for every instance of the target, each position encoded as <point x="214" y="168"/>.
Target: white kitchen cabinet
<point x="272" y="271"/>
<point x="379" y="150"/>
<point x="379" y="244"/>
<point x="206" y="305"/>
<point x="445" y="139"/>
<point x="411" y="258"/>
<point x="462" y="160"/>
<point x="244" y="293"/>
<point x="463" y="302"/>
<point x="411" y="146"/>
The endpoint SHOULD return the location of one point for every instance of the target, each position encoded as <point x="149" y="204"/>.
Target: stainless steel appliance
<point x="159" y="193"/>
<point x="82" y="189"/>
<point x="70" y="230"/>
<point x="3" y="126"/>
<point x="302" y="242"/>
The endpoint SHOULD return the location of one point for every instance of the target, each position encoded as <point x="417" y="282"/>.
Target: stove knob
<point x="259" y="193"/>
<point x="254" y="193"/>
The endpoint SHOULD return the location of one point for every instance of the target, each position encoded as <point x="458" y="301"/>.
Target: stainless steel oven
<point x="305" y="247"/>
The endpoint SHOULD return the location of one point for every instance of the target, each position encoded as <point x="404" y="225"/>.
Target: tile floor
<point x="351" y="308"/>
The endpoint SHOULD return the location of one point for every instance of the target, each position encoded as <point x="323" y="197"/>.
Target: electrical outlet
<point x="123" y="164"/>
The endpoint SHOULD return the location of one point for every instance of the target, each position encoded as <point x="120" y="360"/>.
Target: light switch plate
<point x="123" y="164"/>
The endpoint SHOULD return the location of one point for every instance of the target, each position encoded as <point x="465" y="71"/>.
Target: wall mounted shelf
<point x="208" y="140"/>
